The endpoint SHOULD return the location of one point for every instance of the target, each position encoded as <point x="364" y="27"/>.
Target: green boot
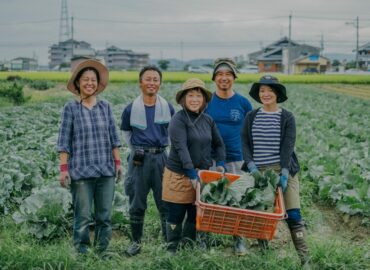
<point x="137" y="224"/>
<point x="298" y="233"/>
<point x="174" y="232"/>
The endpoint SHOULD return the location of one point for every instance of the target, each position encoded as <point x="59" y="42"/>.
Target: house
<point x="23" y="63"/>
<point x="285" y="56"/>
<point x="61" y="54"/>
<point x="310" y="64"/>
<point x="364" y="56"/>
<point x="118" y="59"/>
<point x="304" y="57"/>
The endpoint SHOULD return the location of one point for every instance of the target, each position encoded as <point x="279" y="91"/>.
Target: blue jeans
<point x="84" y="192"/>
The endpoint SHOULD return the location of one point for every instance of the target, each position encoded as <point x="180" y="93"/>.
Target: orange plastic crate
<point x="235" y="221"/>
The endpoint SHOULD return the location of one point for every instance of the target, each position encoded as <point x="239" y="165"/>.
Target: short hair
<point x="150" y="67"/>
<point x="182" y="100"/>
<point x="82" y="71"/>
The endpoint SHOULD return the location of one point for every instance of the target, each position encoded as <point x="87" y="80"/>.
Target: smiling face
<point x="88" y="83"/>
<point x="150" y="83"/>
<point x="224" y="80"/>
<point x="267" y="95"/>
<point x="194" y="100"/>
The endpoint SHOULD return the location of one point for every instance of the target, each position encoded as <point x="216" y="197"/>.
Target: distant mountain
<point x="340" y="56"/>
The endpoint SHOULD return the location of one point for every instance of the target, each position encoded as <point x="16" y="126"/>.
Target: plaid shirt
<point x="88" y="136"/>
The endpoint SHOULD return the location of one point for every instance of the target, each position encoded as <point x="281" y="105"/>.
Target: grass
<point x="177" y="77"/>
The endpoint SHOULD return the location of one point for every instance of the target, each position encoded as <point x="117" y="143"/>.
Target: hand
<point x="65" y="179"/>
<point x="194" y="182"/>
<point x="253" y="169"/>
<point x="220" y="167"/>
<point x="191" y="173"/>
<point x="119" y="173"/>
<point x="283" y="182"/>
<point x="284" y="179"/>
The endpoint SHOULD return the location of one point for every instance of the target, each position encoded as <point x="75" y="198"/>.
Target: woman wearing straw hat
<point x="89" y="159"/>
<point x="193" y="136"/>
<point x="268" y="139"/>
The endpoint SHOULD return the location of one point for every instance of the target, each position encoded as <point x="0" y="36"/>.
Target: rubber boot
<point x="137" y="224"/>
<point x="263" y="244"/>
<point x="239" y="246"/>
<point x="298" y="233"/>
<point x="188" y="234"/>
<point x="163" y="228"/>
<point x="202" y="240"/>
<point x="174" y="232"/>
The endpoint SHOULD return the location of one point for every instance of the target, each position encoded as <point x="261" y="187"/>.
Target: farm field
<point x="178" y="77"/>
<point x="333" y="136"/>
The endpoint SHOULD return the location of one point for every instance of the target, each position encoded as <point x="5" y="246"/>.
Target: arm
<point x="288" y="141"/>
<point x="246" y="139"/>
<point x="218" y="144"/>
<point x="64" y="145"/>
<point x="179" y="137"/>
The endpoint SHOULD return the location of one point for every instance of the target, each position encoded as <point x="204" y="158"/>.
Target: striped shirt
<point x="266" y="138"/>
<point x="88" y="136"/>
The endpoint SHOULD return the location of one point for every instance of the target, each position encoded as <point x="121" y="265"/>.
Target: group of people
<point x="212" y="131"/>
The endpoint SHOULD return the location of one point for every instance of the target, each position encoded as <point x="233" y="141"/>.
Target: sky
<point x="184" y="29"/>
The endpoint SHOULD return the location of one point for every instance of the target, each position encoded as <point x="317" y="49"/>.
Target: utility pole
<point x="182" y="53"/>
<point x="289" y="40"/>
<point x="356" y="23"/>
<point x="357" y="41"/>
<point x="322" y="43"/>
<point x="73" y="42"/>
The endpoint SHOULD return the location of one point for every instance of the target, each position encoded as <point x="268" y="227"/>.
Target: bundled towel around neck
<point x="162" y="113"/>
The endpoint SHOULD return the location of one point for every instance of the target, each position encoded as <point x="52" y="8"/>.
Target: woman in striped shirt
<point x="268" y="139"/>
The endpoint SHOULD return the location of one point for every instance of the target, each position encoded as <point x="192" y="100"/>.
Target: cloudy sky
<point x="182" y="29"/>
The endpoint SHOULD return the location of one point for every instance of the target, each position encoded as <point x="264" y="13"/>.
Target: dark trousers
<point x="141" y="179"/>
<point x="176" y="212"/>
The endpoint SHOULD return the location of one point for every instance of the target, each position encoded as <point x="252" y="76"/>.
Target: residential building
<point x="364" y="56"/>
<point x="23" y="63"/>
<point x="288" y="57"/>
<point x="60" y="54"/>
<point x="118" y="59"/>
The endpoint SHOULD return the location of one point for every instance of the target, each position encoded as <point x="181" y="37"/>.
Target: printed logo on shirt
<point x="235" y="115"/>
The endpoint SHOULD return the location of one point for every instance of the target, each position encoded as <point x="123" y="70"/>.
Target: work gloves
<point x="64" y="178"/>
<point x="193" y="177"/>
<point x="220" y="166"/>
<point x="284" y="179"/>
<point x="253" y="169"/>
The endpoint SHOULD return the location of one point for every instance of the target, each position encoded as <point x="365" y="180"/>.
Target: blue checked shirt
<point x="88" y="136"/>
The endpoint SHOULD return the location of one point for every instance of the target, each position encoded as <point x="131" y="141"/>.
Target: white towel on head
<point x="162" y="114"/>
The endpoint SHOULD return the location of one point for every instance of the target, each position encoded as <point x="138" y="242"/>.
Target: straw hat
<point x="93" y="63"/>
<point x="191" y="84"/>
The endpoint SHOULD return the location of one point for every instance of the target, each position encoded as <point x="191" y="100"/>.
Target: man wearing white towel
<point x="144" y="125"/>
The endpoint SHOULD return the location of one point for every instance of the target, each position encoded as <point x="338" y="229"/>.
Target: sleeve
<point x="246" y="138"/>
<point x="65" y="130"/>
<point x="113" y="134"/>
<point x="288" y="142"/>
<point x="247" y="106"/>
<point x="178" y="136"/>
<point x="125" y="119"/>
<point x="217" y="143"/>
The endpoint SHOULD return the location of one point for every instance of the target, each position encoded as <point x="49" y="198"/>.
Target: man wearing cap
<point x="193" y="136"/>
<point x="89" y="160"/>
<point x="228" y="109"/>
<point x="144" y="125"/>
<point x="268" y="139"/>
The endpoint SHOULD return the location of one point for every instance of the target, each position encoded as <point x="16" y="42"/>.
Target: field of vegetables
<point x="332" y="145"/>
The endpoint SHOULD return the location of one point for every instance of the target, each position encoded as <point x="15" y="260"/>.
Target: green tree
<point x="163" y="64"/>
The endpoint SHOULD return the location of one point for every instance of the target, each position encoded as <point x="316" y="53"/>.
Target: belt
<point x="152" y="150"/>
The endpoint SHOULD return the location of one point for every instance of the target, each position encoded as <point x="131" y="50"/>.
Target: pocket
<point x="179" y="183"/>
